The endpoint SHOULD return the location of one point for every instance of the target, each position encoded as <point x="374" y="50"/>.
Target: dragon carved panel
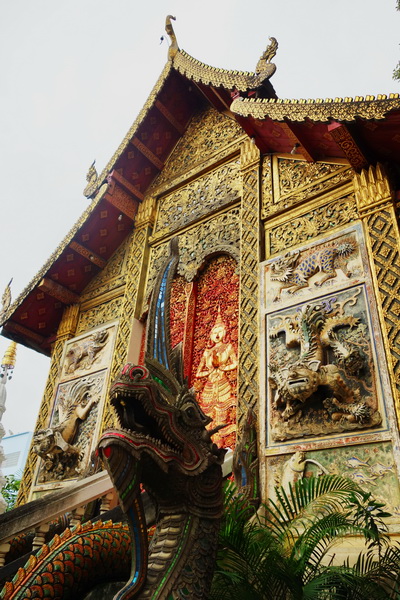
<point x="87" y="353"/>
<point x="64" y="443"/>
<point x="321" y="366"/>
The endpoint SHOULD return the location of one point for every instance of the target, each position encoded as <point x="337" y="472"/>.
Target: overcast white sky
<point x="75" y="74"/>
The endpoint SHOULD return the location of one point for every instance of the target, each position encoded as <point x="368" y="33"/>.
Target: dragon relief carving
<point x="325" y="383"/>
<point x="294" y="270"/>
<point x="82" y="355"/>
<point x="60" y="445"/>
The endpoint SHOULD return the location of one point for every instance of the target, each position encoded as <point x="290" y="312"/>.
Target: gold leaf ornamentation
<point x="219" y="234"/>
<point x="313" y="223"/>
<point x="111" y="277"/>
<point x="316" y="110"/>
<point x="300" y="180"/>
<point x="248" y="384"/>
<point x="384" y="237"/>
<point x="136" y="260"/>
<point x="99" y="314"/>
<point x="208" y="134"/>
<point x="200" y="197"/>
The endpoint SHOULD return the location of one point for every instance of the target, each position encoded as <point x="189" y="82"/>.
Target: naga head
<point x="161" y="440"/>
<point x="168" y="428"/>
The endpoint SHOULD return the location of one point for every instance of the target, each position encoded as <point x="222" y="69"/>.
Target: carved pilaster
<point x="135" y="278"/>
<point x="69" y="321"/>
<point x="146" y="214"/>
<point x="375" y="200"/>
<point x="248" y="392"/>
<point x="372" y="189"/>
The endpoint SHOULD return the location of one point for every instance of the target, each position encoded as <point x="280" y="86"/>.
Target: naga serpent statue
<point x="163" y="444"/>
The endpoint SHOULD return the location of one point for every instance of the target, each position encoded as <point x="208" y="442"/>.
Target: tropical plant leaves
<point x="283" y="551"/>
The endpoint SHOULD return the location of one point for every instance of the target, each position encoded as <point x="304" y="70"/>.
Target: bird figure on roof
<point x="173" y="47"/>
<point x="91" y="178"/>
<point x="264" y="68"/>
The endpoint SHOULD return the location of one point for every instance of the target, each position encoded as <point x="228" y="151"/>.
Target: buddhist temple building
<point x="287" y="294"/>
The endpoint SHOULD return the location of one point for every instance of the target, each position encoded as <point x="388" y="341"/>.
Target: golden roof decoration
<point x="6" y="299"/>
<point x="91" y="178"/>
<point x="10" y="356"/>
<point x="173" y="48"/>
<point x="196" y="71"/>
<point x="340" y="109"/>
<point x="242" y="81"/>
<point x="264" y="68"/>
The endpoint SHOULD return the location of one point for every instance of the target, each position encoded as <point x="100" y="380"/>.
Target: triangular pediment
<point x="208" y="133"/>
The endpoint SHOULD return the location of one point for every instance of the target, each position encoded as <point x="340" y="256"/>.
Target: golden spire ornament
<point x="10" y="356"/>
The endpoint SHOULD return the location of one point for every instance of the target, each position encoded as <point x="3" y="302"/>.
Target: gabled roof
<point x="183" y="88"/>
<point x="361" y="130"/>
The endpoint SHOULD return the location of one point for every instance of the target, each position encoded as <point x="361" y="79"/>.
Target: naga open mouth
<point x="146" y="424"/>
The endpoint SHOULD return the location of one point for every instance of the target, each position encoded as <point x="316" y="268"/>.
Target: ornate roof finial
<point x="91" y="179"/>
<point x="173" y="48"/>
<point x="265" y="69"/>
<point x="9" y="357"/>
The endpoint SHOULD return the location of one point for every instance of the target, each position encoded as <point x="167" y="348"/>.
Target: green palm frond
<point x="283" y="554"/>
<point x="307" y="500"/>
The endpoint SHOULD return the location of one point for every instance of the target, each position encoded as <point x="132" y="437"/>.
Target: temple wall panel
<point x="27" y="480"/>
<point x="331" y="269"/>
<point x="269" y="246"/>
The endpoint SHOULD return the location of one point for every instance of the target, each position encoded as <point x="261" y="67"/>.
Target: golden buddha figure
<point x="217" y="397"/>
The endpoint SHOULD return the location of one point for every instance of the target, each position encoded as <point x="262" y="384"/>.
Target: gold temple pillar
<point x="376" y="206"/>
<point x="135" y="279"/>
<point x="66" y="331"/>
<point x="248" y="384"/>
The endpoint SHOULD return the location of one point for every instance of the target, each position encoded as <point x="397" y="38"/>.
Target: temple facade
<point x="286" y="300"/>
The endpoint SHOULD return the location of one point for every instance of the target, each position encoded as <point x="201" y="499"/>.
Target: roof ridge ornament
<point x="92" y="180"/>
<point x="173" y="47"/>
<point x="5" y="300"/>
<point x="265" y="68"/>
